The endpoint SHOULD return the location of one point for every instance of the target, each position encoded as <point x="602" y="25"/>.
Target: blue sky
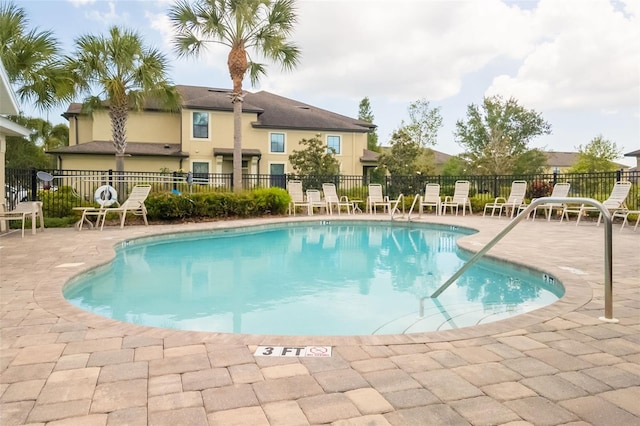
<point x="577" y="62"/>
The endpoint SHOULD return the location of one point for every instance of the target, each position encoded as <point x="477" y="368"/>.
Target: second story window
<point x="200" y="125"/>
<point x="334" y="142"/>
<point x="277" y="142"/>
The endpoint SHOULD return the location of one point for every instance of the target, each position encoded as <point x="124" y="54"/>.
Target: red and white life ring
<point x="106" y="195"/>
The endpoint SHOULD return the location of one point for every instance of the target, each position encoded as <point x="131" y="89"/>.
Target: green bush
<point x="217" y="205"/>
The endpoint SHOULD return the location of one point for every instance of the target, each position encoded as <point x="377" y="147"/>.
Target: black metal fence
<point x="72" y="188"/>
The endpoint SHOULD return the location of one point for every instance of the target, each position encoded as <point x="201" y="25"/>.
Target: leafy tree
<point x="530" y="162"/>
<point x="32" y="60"/>
<point x="30" y="151"/>
<point x="455" y="166"/>
<point x="366" y="114"/>
<point x="128" y="75"/>
<point x="261" y="25"/>
<point x="424" y="123"/>
<point x="314" y="159"/>
<point x="401" y="159"/>
<point x="597" y="156"/>
<point x="496" y="134"/>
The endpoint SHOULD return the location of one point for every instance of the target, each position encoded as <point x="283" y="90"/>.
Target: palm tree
<point x="128" y="75"/>
<point x="32" y="60"/>
<point x="241" y="25"/>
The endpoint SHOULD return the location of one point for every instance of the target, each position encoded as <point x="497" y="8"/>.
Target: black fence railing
<point x="74" y="188"/>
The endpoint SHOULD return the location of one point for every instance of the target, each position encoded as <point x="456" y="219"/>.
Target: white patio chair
<point x="377" y="198"/>
<point x="615" y="202"/>
<point x="460" y="198"/>
<point x="332" y="199"/>
<point x="431" y="198"/>
<point x="294" y="187"/>
<point x="513" y="203"/>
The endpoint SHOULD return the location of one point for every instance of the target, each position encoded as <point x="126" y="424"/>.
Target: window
<point x="334" y="142"/>
<point x="201" y="125"/>
<point x="276" y="169"/>
<point x="200" y="172"/>
<point x="277" y="142"/>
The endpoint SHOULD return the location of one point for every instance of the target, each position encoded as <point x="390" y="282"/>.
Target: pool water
<point x="320" y="279"/>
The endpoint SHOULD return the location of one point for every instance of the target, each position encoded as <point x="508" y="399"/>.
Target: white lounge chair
<point x="560" y="190"/>
<point x="294" y="187"/>
<point x="460" y="198"/>
<point x="314" y="200"/>
<point x="332" y="199"/>
<point x="32" y="209"/>
<point x="377" y="198"/>
<point x="431" y="198"/>
<point x="615" y="202"/>
<point x="624" y="214"/>
<point x="513" y="203"/>
<point x="133" y="204"/>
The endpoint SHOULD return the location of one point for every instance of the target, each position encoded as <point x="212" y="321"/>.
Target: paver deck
<point x="556" y="365"/>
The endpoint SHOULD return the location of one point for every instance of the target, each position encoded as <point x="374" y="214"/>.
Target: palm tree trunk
<point x="237" y="144"/>
<point x="119" y="115"/>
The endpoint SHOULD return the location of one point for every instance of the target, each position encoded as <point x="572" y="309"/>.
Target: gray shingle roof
<point x="133" y="148"/>
<point x="273" y="111"/>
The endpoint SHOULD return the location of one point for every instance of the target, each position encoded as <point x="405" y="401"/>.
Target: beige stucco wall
<point x="164" y="127"/>
<point x="131" y="164"/>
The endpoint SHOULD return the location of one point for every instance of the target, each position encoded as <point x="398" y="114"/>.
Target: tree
<point x="402" y="158"/>
<point x="30" y="151"/>
<point x="455" y="166"/>
<point x="597" y="156"/>
<point x="497" y="134"/>
<point x="424" y="123"/>
<point x="366" y="114"/>
<point x="32" y="60"/>
<point x="315" y="159"/>
<point x="128" y="75"/>
<point x="240" y="25"/>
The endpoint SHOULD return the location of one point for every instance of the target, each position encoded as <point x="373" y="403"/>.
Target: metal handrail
<point x="415" y="199"/>
<point x="395" y="207"/>
<point x="608" y="251"/>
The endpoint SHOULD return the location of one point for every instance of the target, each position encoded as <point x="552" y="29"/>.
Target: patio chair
<point x="615" y="202"/>
<point x="294" y="187"/>
<point x="377" y="198"/>
<point x="332" y="199"/>
<point x="513" y="203"/>
<point x="460" y="198"/>
<point x="314" y="200"/>
<point x="23" y="210"/>
<point x="560" y="189"/>
<point x="431" y="198"/>
<point x="624" y="214"/>
<point x="133" y="204"/>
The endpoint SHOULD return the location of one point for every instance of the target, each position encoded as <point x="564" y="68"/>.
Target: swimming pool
<point x="320" y="278"/>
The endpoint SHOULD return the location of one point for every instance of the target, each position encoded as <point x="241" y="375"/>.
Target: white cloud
<point x="589" y="58"/>
<point x="78" y="3"/>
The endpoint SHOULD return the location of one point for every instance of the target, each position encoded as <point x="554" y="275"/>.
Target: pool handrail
<point x="608" y="251"/>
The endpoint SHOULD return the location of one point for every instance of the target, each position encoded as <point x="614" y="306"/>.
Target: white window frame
<point x="195" y="178"/>
<point x="339" y="150"/>
<point x="193" y="136"/>
<point x="284" y="143"/>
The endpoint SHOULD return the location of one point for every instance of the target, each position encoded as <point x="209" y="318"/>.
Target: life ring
<point x="106" y="195"/>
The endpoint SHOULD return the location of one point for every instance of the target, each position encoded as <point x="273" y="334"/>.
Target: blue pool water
<point x="320" y="279"/>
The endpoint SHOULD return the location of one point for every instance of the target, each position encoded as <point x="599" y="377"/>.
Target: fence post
<point x="110" y="179"/>
<point x="555" y="177"/>
<point x="34" y="185"/>
<point x="174" y="184"/>
<point x="495" y="186"/>
<point x="618" y="175"/>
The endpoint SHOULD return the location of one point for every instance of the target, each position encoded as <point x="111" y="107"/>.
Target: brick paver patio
<point x="557" y="365"/>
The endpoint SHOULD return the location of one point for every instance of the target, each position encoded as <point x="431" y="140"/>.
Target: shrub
<point x="539" y="189"/>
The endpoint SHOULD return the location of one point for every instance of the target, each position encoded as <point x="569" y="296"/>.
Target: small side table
<point x="99" y="213"/>
<point x="355" y="206"/>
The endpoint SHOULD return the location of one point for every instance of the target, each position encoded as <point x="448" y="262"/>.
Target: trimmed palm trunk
<point x="118" y="115"/>
<point x="237" y="62"/>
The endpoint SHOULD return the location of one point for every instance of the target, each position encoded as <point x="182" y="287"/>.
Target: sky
<point x="576" y="62"/>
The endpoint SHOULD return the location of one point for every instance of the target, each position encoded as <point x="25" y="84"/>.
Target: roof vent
<point x="167" y="146"/>
<point x="303" y="107"/>
<point x="216" y="90"/>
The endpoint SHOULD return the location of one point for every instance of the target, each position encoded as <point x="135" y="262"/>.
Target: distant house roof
<point x="635" y="153"/>
<point x="133" y="148"/>
<point x="369" y="156"/>
<point x="561" y="159"/>
<point x="229" y="151"/>
<point x="273" y="111"/>
<point x="439" y="157"/>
